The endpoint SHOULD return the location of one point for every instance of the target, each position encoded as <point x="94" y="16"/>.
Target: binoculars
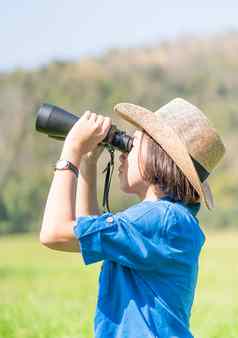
<point x="57" y="122"/>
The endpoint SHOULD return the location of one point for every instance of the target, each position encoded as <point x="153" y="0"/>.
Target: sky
<point x="33" y="33"/>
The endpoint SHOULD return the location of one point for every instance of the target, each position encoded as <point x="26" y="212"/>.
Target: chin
<point x="126" y="188"/>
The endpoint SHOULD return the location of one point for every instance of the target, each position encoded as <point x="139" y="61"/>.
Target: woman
<point x="150" y="251"/>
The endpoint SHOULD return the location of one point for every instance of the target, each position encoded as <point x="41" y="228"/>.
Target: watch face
<point x="62" y="164"/>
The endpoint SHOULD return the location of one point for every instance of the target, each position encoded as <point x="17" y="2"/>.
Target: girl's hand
<point x="86" y="134"/>
<point x="92" y="157"/>
<point x="88" y="165"/>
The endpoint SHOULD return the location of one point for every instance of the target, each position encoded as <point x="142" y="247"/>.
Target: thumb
<point x="95" y="153"/>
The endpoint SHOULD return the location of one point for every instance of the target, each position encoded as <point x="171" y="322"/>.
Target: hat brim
<point x="163" y="134"/>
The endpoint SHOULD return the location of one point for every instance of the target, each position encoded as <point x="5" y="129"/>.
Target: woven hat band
<point x="202" y="172"/>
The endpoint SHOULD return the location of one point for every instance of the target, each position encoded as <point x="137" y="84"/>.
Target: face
<point x="129" y="175"/>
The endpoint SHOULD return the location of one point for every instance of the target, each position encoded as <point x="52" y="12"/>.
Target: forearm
<point x="87" y="203"/>
<point x="61" y="201"/>
<point x="60" y="205"/>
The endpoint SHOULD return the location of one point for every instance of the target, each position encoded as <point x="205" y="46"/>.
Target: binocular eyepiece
<point x="57" y="122"/>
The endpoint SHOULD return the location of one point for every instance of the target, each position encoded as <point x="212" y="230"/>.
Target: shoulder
<point x="164" y="218"/>
<point x="147" y="216"/>
<point x="181" y="223"/>
<point x="144" y="209"/>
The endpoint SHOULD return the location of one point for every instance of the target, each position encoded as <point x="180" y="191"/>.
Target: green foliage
<point x="24" y="202"/>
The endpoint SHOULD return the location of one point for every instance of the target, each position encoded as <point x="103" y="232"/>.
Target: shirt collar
<point x="193" y="207"/>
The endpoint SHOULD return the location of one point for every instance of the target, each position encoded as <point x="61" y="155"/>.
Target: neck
<point x="150" y="195"/>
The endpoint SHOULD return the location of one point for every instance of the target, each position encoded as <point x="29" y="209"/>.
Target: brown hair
<point x="159" y="169"/>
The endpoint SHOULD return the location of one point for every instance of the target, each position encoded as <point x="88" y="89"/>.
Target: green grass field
<point x="50" y="294"/>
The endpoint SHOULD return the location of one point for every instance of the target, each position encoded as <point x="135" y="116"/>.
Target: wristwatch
<point x="66" y="165"/>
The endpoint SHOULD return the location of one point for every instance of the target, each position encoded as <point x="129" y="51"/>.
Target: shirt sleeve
<point x="114" y="237"/>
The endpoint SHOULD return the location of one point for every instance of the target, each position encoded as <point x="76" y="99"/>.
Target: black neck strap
<point x="109" y="171"/>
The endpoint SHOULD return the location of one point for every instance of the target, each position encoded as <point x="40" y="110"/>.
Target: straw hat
<point x="185" y="133"/>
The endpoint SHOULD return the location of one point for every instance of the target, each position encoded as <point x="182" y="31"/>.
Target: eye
<point x="133" y="143"/>
<point x="131" y="147"/>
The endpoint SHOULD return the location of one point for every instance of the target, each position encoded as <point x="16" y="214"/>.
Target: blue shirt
<point x="150" y="255"/>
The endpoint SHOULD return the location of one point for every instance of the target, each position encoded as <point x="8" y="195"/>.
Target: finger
<point x="100" y="118"/>
<point x="86" y="115"/>
<point x="99" y="121"/>
<point x="104" y="129"/>
<point x="106" y="124"/>
<point x="96" y="153"/>
<point x="93" y="117"/>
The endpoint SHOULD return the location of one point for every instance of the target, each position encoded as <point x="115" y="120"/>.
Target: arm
<point x="60" y="214"/>
<point x="87" y="186"/>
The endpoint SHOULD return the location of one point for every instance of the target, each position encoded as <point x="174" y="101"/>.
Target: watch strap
<point x="68" y="166"/>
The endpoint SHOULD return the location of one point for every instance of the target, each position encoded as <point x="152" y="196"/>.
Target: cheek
<point x="133" y="169"/>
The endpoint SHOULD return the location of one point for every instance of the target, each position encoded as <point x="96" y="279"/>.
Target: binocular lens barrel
<point x="54" y="121"/>
<point x="57" y="122"/>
